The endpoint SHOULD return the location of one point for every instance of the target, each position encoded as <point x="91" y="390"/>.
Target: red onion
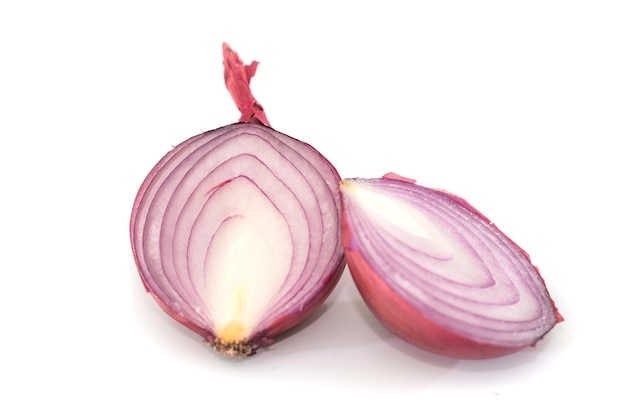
<point x="438" y="273"/>
<point x="236" y="231"/>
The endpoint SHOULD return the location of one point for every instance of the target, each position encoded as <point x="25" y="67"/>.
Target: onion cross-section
<point x="438" y="273"/>
<point x="236" y="234"/>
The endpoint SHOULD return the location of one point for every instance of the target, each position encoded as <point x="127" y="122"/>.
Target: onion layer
<point x="438" y="273"/>
<point x="235" y="233"/>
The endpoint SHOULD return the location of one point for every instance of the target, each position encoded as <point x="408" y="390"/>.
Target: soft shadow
<point x="166" y="332"/>
<point x="398" y="344"/>
<point x="341" y="342"/>
<point x="519" y="360"/>
<point x="511" y="361"/>
<point x="306" y="323"/>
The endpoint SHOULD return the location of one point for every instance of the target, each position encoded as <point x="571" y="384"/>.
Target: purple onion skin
<point x="168" y="297"/>
<point x="402" y="317"/>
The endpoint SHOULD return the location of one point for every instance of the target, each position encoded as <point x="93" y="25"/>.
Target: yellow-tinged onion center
<point x="247" y="262"/>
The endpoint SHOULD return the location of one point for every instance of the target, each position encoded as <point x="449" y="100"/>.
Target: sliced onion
<point x="236" y="234"/>
<point x="438" y="273"/>
<point x="236" y="231"/>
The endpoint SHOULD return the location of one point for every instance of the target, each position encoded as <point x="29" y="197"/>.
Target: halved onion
<point x="438" y="273"/>
<point x="236" y="231"/>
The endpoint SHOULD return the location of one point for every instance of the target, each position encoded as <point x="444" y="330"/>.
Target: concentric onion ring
<point x="235" y="233"/>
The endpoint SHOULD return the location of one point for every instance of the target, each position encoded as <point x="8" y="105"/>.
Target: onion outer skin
<point x="264" y="335"/>
<point x="402" y="318"/>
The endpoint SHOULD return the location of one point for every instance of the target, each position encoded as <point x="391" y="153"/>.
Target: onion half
<point x="438" y="273"/>
<point x="236" y="231"/>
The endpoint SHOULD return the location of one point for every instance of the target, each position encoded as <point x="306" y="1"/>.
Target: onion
<point x="236" y="231"/>
<point x="438" y="273"/>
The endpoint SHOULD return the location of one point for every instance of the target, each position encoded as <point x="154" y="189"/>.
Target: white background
<point x="517" y="106"/>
